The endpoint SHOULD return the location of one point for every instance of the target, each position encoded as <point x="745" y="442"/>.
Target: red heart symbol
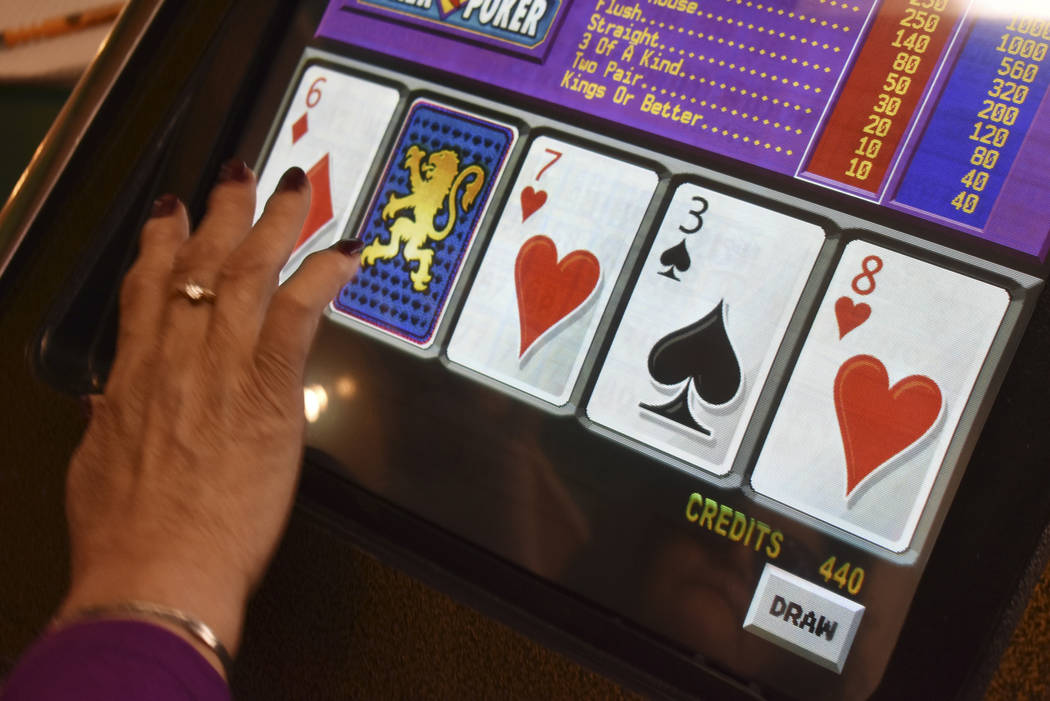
<point x="877" y="421"/>
<point x="850" y="315"/>
<point x="531" y="200"/>
<point x="549" y="289"/>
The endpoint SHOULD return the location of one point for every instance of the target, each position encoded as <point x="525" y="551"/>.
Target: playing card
<point x="550" y="266"/>
<point x="877" y="392"/>
<point x="422" y="220"/>
<point x="702" y="325"/>
<point x="326" y="133"/>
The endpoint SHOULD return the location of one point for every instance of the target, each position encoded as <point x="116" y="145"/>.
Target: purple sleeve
<point x="110" y="660"/>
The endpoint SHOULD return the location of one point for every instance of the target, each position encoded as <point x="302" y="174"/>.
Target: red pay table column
<point x="889" y="76"/>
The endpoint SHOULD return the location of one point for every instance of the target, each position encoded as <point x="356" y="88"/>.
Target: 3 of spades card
<point x="702" y="326"/>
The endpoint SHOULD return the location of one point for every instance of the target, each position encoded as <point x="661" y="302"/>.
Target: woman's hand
<point x="184" y="480"/>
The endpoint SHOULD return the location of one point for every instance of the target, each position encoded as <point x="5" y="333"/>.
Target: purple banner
<point x="747" y="82"/>
<point x="748" y="79"/>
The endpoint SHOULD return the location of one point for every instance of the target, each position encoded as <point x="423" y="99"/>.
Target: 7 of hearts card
<point x="702" y="326"/>
<point x="550" y="267"/>
<point x="878" y="392"/>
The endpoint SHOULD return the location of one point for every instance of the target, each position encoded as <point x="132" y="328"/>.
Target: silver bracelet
<point x="194" y="626"/>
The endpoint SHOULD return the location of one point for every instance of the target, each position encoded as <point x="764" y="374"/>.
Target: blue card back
<point x="423" y="218"/>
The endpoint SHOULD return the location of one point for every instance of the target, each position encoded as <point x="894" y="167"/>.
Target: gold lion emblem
<point x="435" y="183"/>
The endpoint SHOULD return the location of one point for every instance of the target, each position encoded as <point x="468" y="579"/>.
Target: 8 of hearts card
<point x="877" y="393"/>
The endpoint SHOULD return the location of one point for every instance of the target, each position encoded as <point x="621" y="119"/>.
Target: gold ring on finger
<point x="195" y="292"/>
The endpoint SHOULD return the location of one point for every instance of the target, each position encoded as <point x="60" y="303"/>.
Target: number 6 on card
<point x="325" y="132"/>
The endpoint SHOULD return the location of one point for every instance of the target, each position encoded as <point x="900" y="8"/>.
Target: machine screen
<point x="734" y="416"/>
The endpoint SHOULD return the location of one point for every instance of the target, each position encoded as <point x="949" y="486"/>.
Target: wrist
<point x="219" y="605"/>
<point x="193" y="631"/>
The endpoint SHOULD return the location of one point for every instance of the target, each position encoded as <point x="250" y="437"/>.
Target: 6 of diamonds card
<point x="326" y="133"/>
<point x="550" y="267"/>
<point x="877" y="392"/>
<point x="422" y="220"/>
<point x="702" y="326"/>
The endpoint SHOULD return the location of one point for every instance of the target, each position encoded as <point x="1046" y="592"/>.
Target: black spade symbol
<point x="476" y="140"/>
<point x="457" y="133"/>
<point x="384" y="308"/>
<point x="702" y="356"/>
<point x="676" y="258"/>
<point x="677" y="410"/>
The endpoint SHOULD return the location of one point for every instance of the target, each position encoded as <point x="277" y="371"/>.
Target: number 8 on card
<point x="877" y="392"/>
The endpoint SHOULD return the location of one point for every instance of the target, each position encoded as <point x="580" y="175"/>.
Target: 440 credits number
<point x="845" y="575"/>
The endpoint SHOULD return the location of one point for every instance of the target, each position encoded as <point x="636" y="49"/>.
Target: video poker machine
<point x="681" y="324"/>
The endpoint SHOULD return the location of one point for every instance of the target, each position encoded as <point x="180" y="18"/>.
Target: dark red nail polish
<point x="349" y="247"/>
<point x="234" y="170"/>
<point x="294" y="179"/>
<point x="164" y="206"/>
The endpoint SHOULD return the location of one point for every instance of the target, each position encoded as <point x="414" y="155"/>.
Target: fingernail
<point x="164" y="206"/>
<point x="234" y="170"/>
<point x="349" y="247"/>
<point x="293" y="179"/>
